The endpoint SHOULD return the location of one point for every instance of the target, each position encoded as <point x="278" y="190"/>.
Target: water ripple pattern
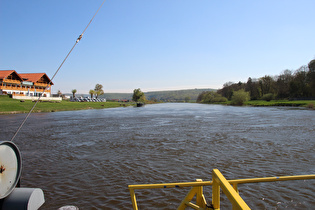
<point x="88" y="158"/>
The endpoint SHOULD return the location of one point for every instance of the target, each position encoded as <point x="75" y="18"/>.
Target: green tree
<point x="283" y="84"/>
<point x="268" y="97"/>
<point x="91" y="92"/>
<point x="138" y="95"/>
<point x="252" y="86"/>
<point x="73" y="92"/>
<point x="187" y="99"/>
<point x="240" y="97"/>
<point x="267" y="85"/>
<point x="311" y="76"/>
<point x="98" y="90"/>
<point x="300" y="86"/>
<point x="227" y="90"/>
<point x="311" y="65"/>
<point x="210" y="97"/>
<point x="59" y="93"/>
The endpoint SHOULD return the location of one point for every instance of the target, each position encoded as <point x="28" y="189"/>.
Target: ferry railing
<point x="218" y="181"/>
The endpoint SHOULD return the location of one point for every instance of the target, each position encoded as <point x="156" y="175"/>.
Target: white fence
<point x="34" y="98"/>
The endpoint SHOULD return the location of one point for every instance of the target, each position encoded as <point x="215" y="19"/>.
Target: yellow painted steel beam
<point x="170" y="185"/>
<point x="234" y="181"/>
<point x="272" y="179"/>
<point x="209" y="183"/>
<point x="187" y="199"/>
<point x="200" y="198"/>
<point x="215" y="194"/>
<point x="231" y="194"/>
<point x="190" y="195"/>
<point x="133" y="199"/>
<point x="194" y="206"/>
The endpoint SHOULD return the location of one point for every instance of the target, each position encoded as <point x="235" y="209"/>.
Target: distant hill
<point x="171" y="95"/>
<point x="121" y="96"/>
<point x="175" y="95"/>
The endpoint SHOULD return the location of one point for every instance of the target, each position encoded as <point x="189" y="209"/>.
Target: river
<point x="88" y="158"/>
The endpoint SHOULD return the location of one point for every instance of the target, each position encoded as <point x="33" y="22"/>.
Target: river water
<point x="88" y="158"/>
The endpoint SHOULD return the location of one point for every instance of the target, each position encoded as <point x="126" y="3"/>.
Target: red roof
<point x="35" y="77"/>
<point x="30" y="77"/>
<point x="5" y="73"/>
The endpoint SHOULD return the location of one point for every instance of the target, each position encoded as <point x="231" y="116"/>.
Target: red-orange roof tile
<point x="6" y="73"/>
<point x="34" y="77"/>
<point x="30" y="77"/>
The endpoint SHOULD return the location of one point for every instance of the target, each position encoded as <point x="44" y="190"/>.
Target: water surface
<point x="88" y="158"/>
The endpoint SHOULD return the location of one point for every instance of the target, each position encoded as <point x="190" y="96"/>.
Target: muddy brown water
<point x="88" y="158"/>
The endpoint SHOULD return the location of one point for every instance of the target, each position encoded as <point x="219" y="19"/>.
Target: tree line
<point x="298" y="84"/>
<point x="175" y="95"/>
<point x="98" y="90"/>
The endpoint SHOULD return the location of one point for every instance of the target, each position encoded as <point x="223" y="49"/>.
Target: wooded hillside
<point x="174" y="95"/>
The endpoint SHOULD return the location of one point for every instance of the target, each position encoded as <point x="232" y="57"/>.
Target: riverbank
<point x="298" y="103"/>
<point x="261" y="103"/>
<point x="13" y="106"/>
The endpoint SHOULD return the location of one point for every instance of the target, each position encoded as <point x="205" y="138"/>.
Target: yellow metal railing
<point x="218" y="181"/>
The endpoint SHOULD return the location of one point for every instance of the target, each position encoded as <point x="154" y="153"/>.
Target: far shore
<point x="14" y="106"/>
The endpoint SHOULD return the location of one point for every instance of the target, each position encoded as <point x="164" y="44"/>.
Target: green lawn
<point x="9" y="105"/>
<point x="303" y="103"/>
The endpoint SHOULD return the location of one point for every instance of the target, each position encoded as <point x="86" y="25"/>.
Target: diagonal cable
<point x="77" y="41"/>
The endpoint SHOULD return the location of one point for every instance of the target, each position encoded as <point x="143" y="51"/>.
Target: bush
<point x="310" y="106"/>
<point x="210" y="97"/>
<point x="240" y="97"/>
<point x="268" y="97"/>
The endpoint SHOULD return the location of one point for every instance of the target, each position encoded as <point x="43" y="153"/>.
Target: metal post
<point x="133" y="199"/>
<point x="215" y="193"/>
<point x="200" y="198"/>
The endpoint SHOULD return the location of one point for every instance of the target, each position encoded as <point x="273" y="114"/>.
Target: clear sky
<point x="156" y="44"/>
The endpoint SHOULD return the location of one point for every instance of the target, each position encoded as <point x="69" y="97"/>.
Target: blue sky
<point x="156" y="44"/>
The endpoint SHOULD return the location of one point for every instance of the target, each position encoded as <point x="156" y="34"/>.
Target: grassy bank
<point x="13" y="106"/>
<point x="302" y="103"/>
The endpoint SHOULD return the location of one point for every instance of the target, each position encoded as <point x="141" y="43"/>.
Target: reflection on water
<point x="88" y="158"/>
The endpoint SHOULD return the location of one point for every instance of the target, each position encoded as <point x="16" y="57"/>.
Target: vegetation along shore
<point x="287" y="89"/>
<point x="13" y="106"/>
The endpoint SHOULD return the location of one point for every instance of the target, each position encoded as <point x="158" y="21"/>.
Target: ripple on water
<point x="88" y="158"/>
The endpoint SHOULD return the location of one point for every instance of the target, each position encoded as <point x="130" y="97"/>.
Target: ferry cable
<point x="42" y="93"/>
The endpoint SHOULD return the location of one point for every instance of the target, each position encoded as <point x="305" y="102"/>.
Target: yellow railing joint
<point x="197" y="189"/>
<point x="220" y="181"/>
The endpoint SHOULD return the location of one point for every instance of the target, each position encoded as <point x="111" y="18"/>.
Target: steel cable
<point x="77" y="41"/>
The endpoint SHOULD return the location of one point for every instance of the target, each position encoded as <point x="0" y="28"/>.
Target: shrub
<point x="310" y="106"/>
<point x="210" y="97"/>
<point x="239" y="97"/>
<point x="268" y="97"/>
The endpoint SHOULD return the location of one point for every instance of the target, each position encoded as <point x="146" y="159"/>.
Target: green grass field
<point x="12" y="106"/>
<point x="302" y="103"/>
<point x="299" y="103"/>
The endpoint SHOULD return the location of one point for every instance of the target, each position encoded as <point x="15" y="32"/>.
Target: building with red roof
<point x="31" y="84"/>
